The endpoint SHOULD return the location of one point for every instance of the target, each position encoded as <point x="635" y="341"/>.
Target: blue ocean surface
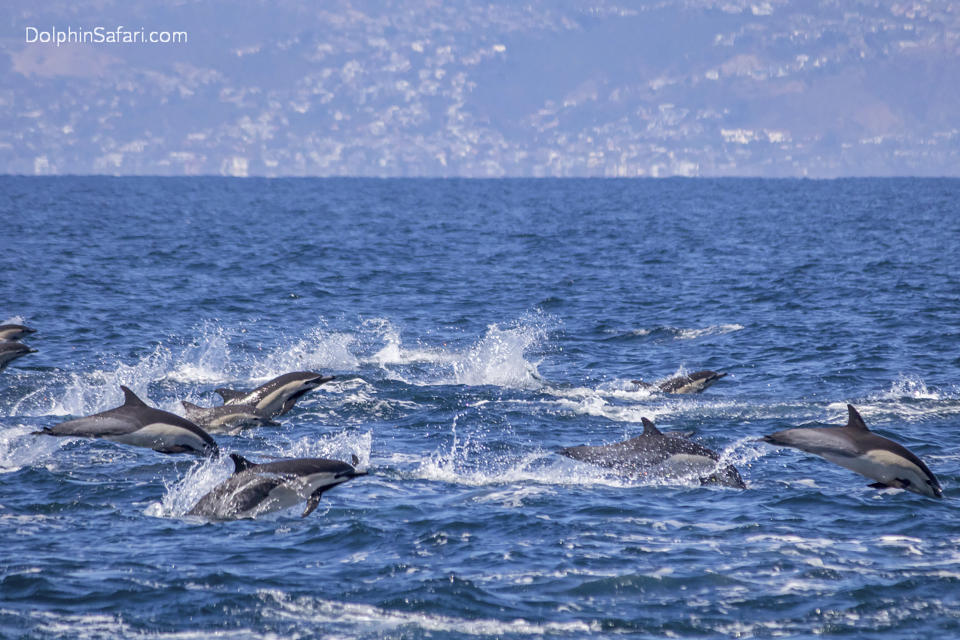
<point x="475" y="328"/>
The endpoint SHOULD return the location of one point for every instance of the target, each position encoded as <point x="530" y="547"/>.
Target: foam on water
<point x="713" y="330"/>
<point x="308" y="612"/>
<point x="99" y="626"/>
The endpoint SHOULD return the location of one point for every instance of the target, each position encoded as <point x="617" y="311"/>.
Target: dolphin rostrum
<point x="855" y="447"/>
<point x="278" y="396"/>
<point x="229" y="418"/>
<point x="137" y="424"/>
<point x="255" y="489"/>
<point x="14" y="331"/>
<point x="656" y="453"/>
<point x="695" y="382"/>
<point x="10" y="351"/>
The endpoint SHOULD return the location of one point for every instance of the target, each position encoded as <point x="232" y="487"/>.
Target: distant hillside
<point x="404" y="88"/>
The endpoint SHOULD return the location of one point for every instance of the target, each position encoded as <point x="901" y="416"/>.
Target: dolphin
<point x="255" y="489"/>
<point x="696" y="382"/>
<point x="657" y="453"/>
<point x="229" y="418"/>
<point x="14" y="331"/>
<point x="137" y="424"/>
<point x="10" y="351"/>
<point x="855" y="447"/>
<point x="278" y="396"/>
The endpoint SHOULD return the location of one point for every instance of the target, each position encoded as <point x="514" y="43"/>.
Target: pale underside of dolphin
<point x="659" y="455"/>
<point x="10" y="351"/>
<point x="14" y="331"/>
<point x="854" y="447"/>
<point x="137" y="424"/>
<point x="228" y="418"/>
<point x="278" y="396"/>
<point x="257" y="489"/>
<point x="695" y="382"/>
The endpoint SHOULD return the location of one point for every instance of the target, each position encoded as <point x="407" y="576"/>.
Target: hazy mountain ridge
<point x="574" y="88"/>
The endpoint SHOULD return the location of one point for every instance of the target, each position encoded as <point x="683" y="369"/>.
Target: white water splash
<point x="498" y="358"/>
<point x="341" y="446"/>
<point x="207" y="359"/>
<point x="714" y="330"/>
<point x="394" y="352"/>
<point x="20" y="448"/>
<point x="908" y="387"/>
<point x="320" y="350"/>
<point x="197" y="482"/>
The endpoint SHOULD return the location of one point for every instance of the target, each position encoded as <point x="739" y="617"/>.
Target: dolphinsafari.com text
<point x="102" y="35"/>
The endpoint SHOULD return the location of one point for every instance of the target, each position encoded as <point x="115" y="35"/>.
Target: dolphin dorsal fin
<point x="650" y="429"/>
<point x="130" y="399"/>
<point x="354" y="459"/>
<point x="240" y="463"/>
<point x="229" y="394"/>
<point x="855" y="421"/>
<point x="189" y="406"/>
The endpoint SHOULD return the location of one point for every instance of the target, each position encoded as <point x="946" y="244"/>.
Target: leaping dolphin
<point x="229" y="418"/>
<point x="278" y="396"/>
<point x="696" y="382"/>
<point x="657" y="453"/>
<point x="137" y="424"/>
<point x="855" y="447"/>
<point x="256" y="489"/>
<point x="10" y="351"/>
<point x="14" y="331"/>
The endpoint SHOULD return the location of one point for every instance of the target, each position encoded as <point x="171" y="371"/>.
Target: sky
<point x="563" y="88"/>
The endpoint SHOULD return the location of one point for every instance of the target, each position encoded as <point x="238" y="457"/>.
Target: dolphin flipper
<point x="312" y="503"/>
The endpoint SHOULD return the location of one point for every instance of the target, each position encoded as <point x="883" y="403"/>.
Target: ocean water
<point x="476" y="327"/>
